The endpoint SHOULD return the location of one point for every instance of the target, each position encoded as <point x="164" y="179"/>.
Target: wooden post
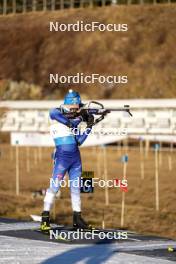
<point x="113" y="2"/>
<point x="5" y="7"/>
<point x="147" y="145"/>
<point x="71" y="3"/>
<point x="103" y="221"/>
<point x="53" y="5"/>
<point x="125" y="160"/>
<point x="105" y="176"/>
<point x="61" y="4"/>
<point x="24" y="6"/>
<point x="156" y="177"/>
<point x="39" y="153"/>
<point x="123" y="146"/>
<point x="170" y="162"/>
<point x="27" y="159"/>
<point x="34" y="5"/>
<point x="170" y="156"/>
<point x="122" y="210"/>
<point x="160" y="154"/>
<point x="124" y="170"/>
<point x="90" y="3"/>
<point x="81" y="3"/>
<point x="126" y="145"/>
<point x="35" y="156"/>
<point x="141" y="158"/>
<point x="17" y="168"/>
<point x="11" y="152"/>
<point x="119" y="147"/>
<point x="103" y="2"/>
<point x="14" y="6"/>
<point x="171" y="147"/>
<point x="142" y="169"/>
<point x="44" y="5"/>
<point x="98" y="162"/>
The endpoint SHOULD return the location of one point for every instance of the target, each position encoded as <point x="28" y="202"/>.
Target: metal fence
<point x="23" y="6"/>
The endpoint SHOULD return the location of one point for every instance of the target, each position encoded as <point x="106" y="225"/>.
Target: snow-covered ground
<point x="15" y="250"/>
<point x="23" y="251"/>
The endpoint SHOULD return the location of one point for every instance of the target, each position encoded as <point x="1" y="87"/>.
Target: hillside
<point x="146" y="53"/>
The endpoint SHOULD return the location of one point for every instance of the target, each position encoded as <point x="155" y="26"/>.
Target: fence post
<point x="34" y="5"/>
<point x="35" y="156"/>
<point x="170" y="162"/>
<point x="105" y="175"/>
<point x="103" y="220"/>
<point x="170" y="156"/>
<point x="91" y="3"/>
<point x="147" y="146"/>
<point x="119" y="150"/>
<point x="98" y="162"/>
<point x="103" y="2"/>
<point x="44" y="5"/>
<point x="5" y="7"/>
<point x="156" y="177"/>
<point x="17" y="168"/>
<point x="71" y="3"/>
<point x="28" y="159"/>
<point x="141" y="158"/>
<point x="14" y="6"/>
<point x="24" y="6"/>
<point x="81" y="3"/>
<point x="124" y="160"/>
<point x="11" y="153"/>
<point x="61" y="4"/>
<point x="114" y="2"/>
<point x="53" y="5"/>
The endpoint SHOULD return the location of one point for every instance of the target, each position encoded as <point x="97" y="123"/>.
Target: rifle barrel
<point x="100" y="111"/>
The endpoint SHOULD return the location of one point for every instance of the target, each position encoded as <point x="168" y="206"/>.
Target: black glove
<point x="84" y="114"/>
<point x="90" y="121"/>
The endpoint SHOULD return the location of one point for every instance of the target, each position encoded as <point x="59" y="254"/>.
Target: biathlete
<point x="67" y="156"/>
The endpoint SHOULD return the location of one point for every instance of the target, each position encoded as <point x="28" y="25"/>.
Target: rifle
<point x="101" y="111"/>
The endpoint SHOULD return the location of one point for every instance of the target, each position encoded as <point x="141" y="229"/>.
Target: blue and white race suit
<point x="66" y="158"/>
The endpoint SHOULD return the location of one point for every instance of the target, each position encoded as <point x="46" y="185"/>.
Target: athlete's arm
<point x="75" y="122"/>
<point x="80" y="138"/>
<point x="55" y="114"/>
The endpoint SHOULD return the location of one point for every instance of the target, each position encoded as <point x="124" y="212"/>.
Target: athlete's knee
<point x="75" y="187"/>
<point x="55" y="183"/>
<point x="50" y="195"/>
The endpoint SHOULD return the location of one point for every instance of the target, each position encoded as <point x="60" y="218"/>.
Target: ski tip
<point x="36" y="218"/>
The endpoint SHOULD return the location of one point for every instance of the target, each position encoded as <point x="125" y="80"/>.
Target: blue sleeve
<point x="82" y="137"/>
<point x="75" y="122"/>
<point x="55" y="114"/>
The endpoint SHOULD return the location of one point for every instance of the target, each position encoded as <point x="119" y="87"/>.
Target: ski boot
<point x="79" y="223"/>
<point x="45" y="223"/>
